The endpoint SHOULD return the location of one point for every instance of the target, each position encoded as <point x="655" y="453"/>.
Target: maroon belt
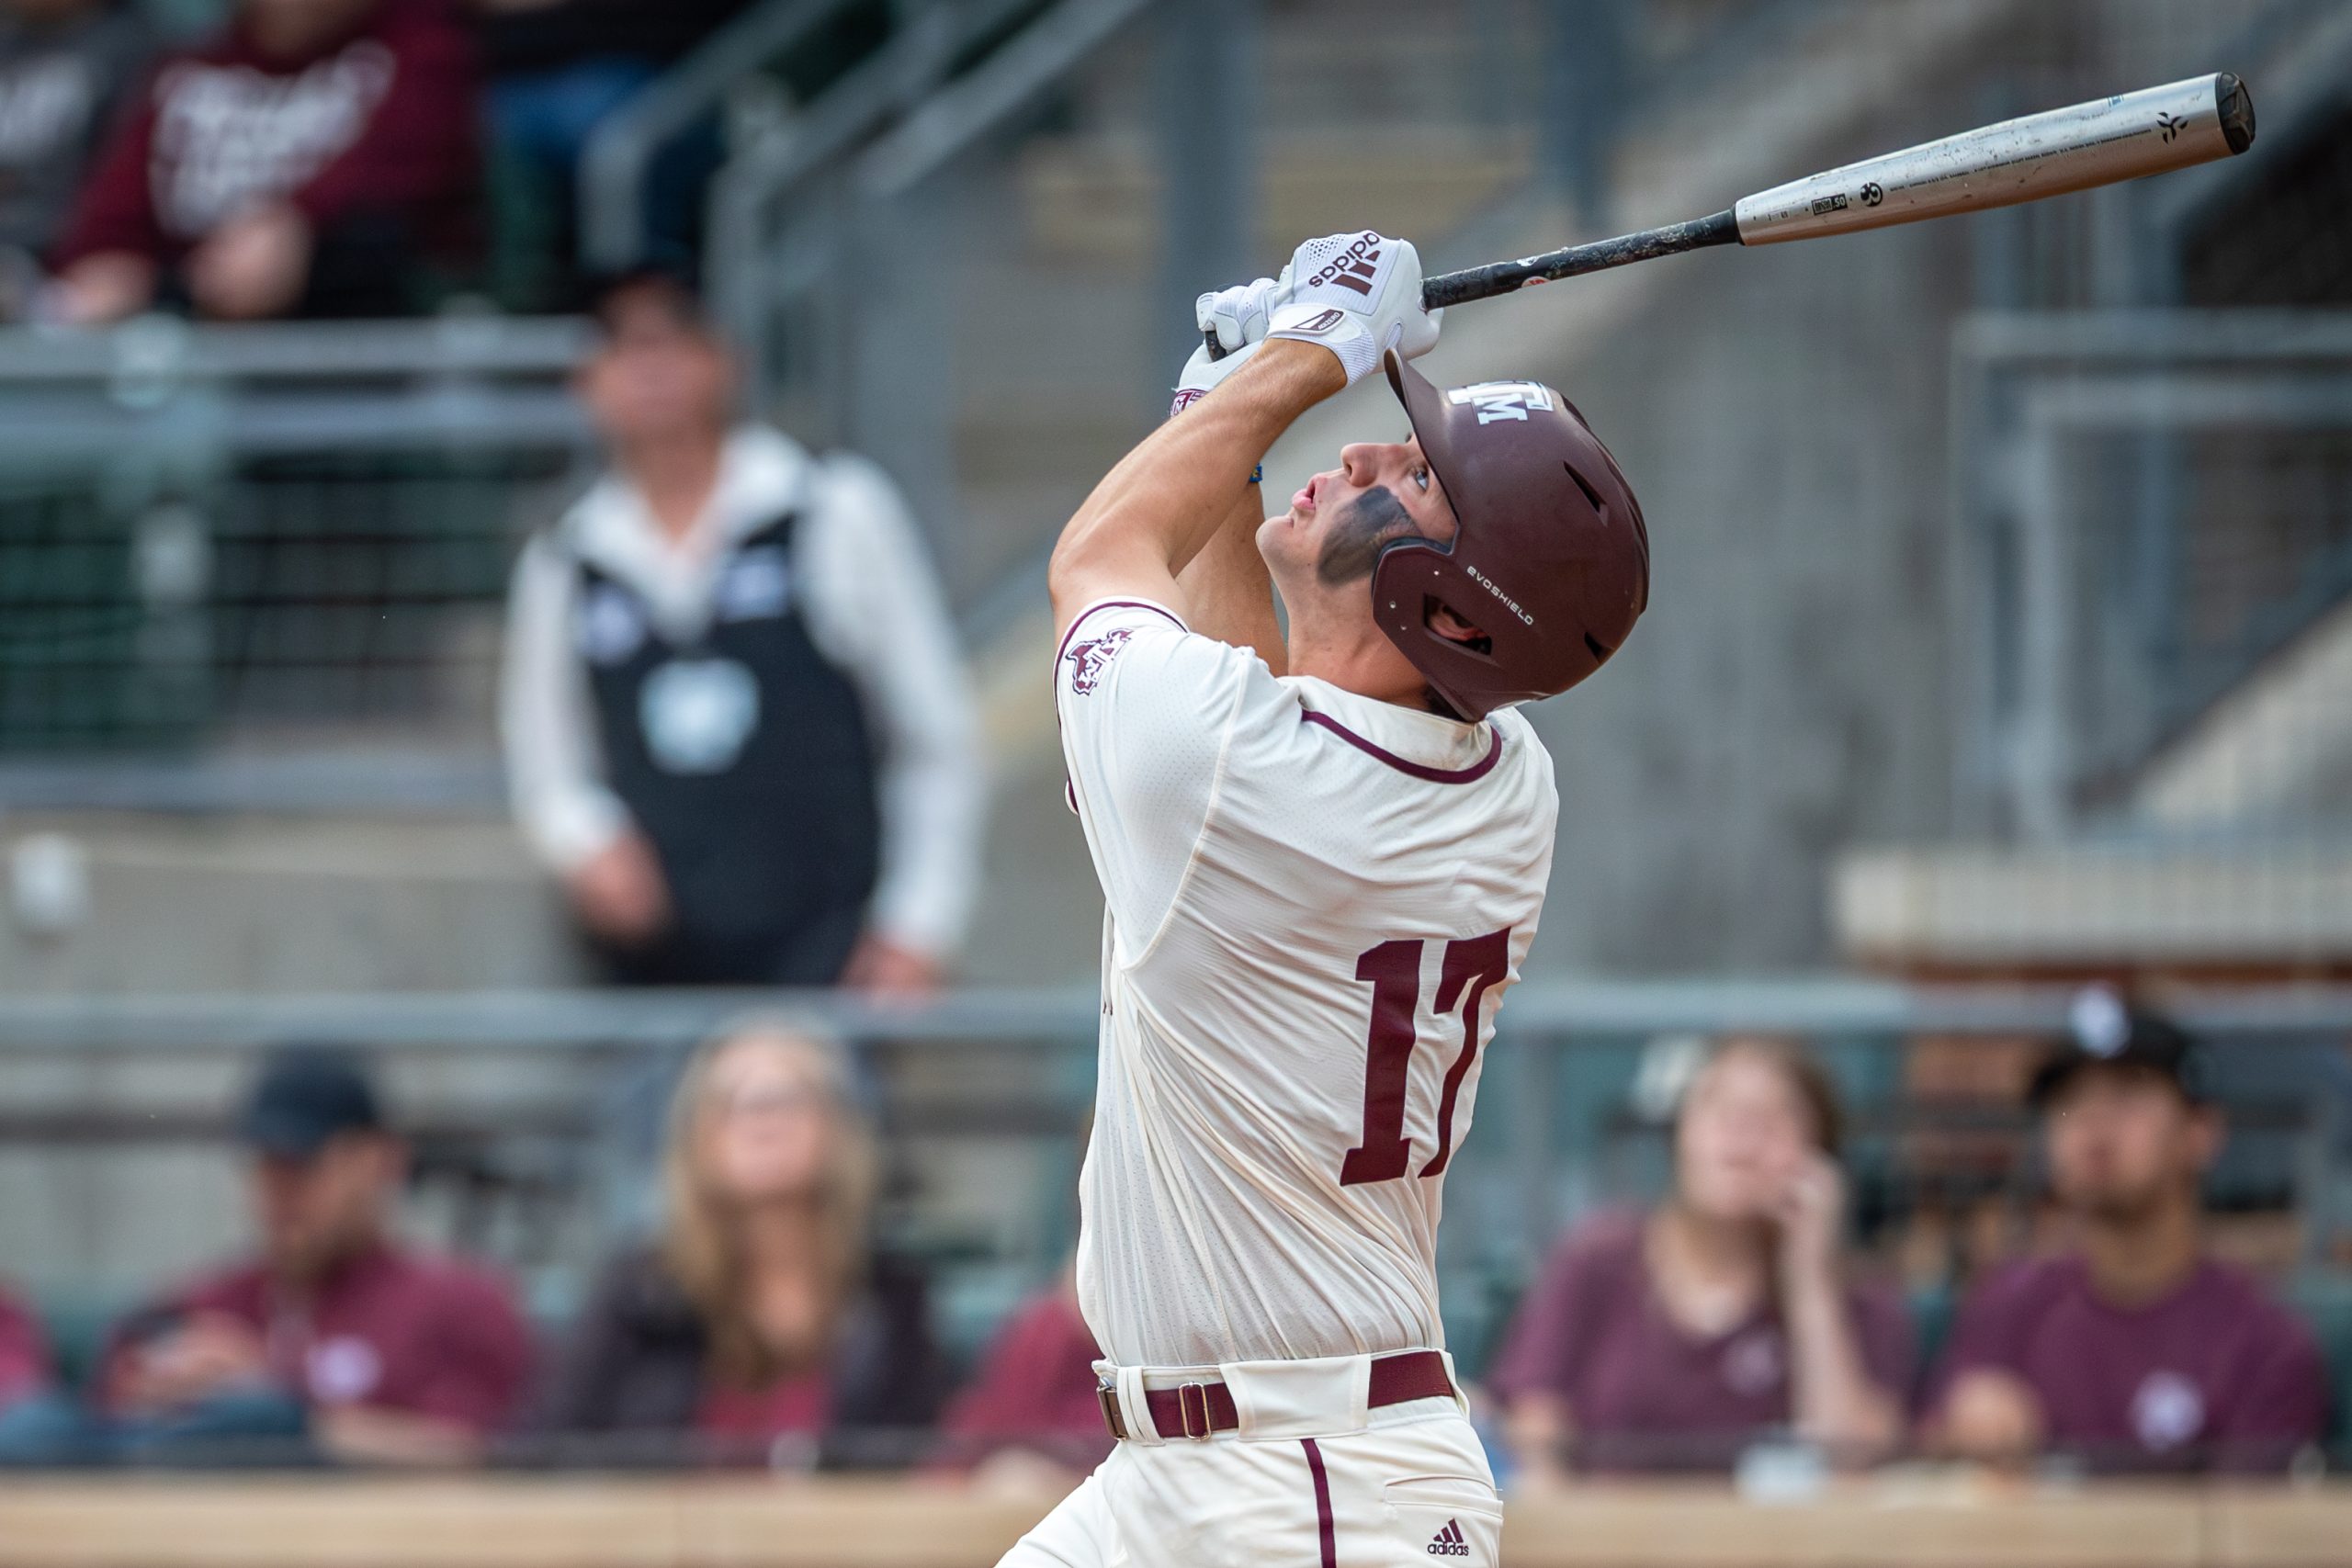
<point x="1201" y="1409"/>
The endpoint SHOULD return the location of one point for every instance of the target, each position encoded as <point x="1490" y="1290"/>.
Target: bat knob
<point x="2236" y="107"/>
<point x="1208" y="340"/>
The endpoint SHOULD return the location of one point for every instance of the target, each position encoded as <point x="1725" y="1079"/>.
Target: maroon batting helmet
<point x="1550" y="560"/>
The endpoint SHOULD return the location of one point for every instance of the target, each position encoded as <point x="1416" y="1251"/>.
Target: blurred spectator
<point x="64" y="65"/>
<point x="2135" y="1350"/>
<point x="1672" y="1340"/>
<point x="1030" y="1420"/>
<point x="37" y="1425"/>
<point x="23" y="1353"/>
<point x="307" y="162"/>
<point x="735" y="726"/>
<point x="759" y="1314"/>
<point x="378" y="1354"/>
<point x="557" y="69"/>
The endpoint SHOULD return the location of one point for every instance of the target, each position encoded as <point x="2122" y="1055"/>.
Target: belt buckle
<point x="1106" y="1395"/>
<point x="1192" y="1396"/>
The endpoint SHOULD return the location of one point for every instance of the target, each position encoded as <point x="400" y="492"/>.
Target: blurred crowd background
<point x="538" y="924"/>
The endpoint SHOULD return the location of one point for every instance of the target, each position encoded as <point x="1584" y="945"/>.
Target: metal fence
<point x="286" y="535"/>
<point x="536" y="1114"/>
<point x="2154" y="510"/>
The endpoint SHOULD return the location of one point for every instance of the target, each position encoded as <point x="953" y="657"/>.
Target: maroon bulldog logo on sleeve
<point x="1090" y="660"/>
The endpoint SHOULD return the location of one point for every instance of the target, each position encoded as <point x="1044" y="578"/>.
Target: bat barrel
<point x="2097" y="143"/>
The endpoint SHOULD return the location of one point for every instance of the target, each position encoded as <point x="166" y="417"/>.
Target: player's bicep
<point x="1086" y="573"/>
<point x="1146" y="709"/>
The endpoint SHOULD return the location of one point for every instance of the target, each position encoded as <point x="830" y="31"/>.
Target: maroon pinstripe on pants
<point x="1325" y="1531"/>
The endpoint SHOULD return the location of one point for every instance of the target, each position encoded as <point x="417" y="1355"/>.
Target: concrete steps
<point x="2276" y="752"/>
<point x="248" y="902"/>
<point x="1097" y="200"/>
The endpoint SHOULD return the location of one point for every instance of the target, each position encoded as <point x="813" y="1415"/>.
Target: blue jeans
<point x="541" y="121"/>
<point x="545" y="117"/>
<point x="50" y="1429"/>
<point x="259" y="1428"/>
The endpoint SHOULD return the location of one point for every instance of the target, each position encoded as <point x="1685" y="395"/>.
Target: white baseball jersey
<point x="1316" y="901"/>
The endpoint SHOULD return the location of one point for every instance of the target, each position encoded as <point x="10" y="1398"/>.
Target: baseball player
<point x="1323" y="853"/>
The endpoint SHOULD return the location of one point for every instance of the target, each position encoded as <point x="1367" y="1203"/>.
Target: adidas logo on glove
<point x="1448" y="1542"/>
<point x="1353" y="267"/>
<point x="1358" y="295"/>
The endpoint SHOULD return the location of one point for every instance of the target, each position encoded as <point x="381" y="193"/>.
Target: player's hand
<point x="1238" y="318"/>
<point x="1358" y="295"/>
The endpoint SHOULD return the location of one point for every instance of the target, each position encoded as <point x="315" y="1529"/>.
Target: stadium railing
<point x="754" y="1523"/>
<point x="1575" y="1095"/>
<point x="824" y="220"/>
<point x="2149" y="510"/>
<point x="293" y="532"/>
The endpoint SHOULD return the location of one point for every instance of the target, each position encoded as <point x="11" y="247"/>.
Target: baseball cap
<point x="666" y="278"/>
<point x="305" y="1096"/>
<point x="2104" y="1031"/>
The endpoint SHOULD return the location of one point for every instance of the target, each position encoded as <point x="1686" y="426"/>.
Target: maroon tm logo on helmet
<point x="1551" y="560"/>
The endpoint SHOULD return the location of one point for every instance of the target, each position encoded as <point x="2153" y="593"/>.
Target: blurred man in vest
<point x="737" y="728"/>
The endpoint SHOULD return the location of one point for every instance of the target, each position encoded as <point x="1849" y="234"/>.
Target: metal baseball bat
<point x="2101" y="142"/>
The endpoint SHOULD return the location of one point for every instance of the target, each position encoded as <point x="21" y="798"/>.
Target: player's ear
<point x="1442" y="620"/>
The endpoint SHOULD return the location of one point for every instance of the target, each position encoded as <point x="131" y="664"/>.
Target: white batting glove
<point x="1358" y="295"/>
<point x="1238" y="317"/>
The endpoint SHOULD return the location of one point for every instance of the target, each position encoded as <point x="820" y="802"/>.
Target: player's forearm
<point x="1169" y="497"/>
<point x="1228" y="595"/>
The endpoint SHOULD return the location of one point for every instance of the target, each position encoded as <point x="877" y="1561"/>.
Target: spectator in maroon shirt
<point x="1673" y="1340"/>
<point x="303" y="163"/>
<point x="1030" y="1420"/>
<point x="2134" y="1350"/>
<point x="38" y="1425"/>
<point x="386" y="1356"/>
<point x="759" y="1323"/>
<point x="65" y="67"/>
<point x="23" y="1353"/>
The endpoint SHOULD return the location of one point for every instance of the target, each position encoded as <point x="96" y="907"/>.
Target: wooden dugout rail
<point x="600" y="1522"/>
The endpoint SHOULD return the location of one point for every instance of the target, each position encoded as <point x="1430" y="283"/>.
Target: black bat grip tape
<point x="1500" y="277"/>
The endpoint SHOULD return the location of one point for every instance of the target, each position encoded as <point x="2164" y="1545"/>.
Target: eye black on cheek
<point x="1352" y="546"/>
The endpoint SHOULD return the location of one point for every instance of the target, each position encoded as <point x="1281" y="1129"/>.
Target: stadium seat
<point x="76" y="1324"/>
<point x="2324" y="1298"/>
